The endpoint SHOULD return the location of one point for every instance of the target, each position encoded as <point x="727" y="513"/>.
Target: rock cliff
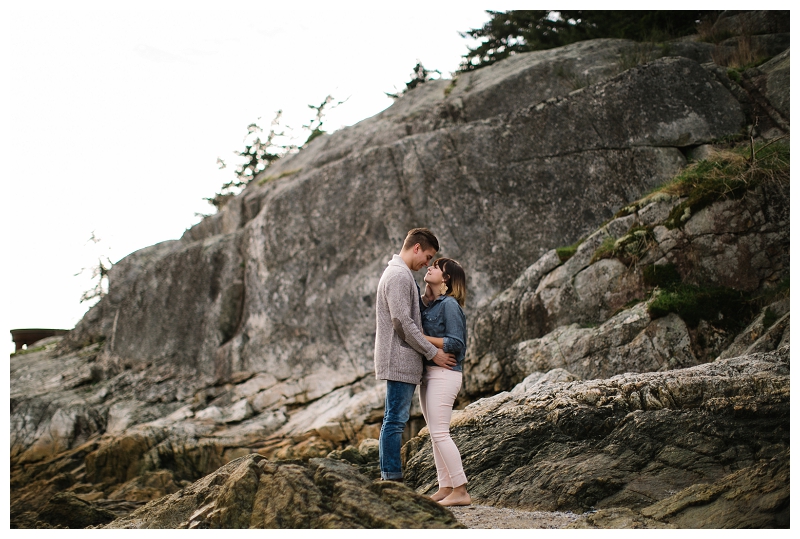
<point x="253" y="333"/>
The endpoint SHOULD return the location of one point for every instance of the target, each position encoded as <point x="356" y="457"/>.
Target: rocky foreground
<point x="705" y="447"/>
<point x="253" y="492"/>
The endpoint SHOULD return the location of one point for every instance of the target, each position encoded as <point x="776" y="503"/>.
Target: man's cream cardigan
<point x="399" y="343"/>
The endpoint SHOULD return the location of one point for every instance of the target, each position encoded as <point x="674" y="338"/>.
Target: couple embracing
<point x="421" y="340"/>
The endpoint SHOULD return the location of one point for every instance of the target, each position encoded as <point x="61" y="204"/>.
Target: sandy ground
<point x="484" y="517"/>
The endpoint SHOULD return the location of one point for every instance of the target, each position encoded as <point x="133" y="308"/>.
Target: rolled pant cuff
<point x="391" y="476"/>
<point x="455" y="481"/>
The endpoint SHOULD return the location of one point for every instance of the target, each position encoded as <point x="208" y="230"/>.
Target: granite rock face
<point x="282" y="298"/>
<point x="559" y="315"/>
<point x="688" y="447"/>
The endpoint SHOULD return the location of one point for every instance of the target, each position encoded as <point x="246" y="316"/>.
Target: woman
<point x="445" y="326"/>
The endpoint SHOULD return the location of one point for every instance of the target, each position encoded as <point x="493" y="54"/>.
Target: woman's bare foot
<point x="442" y="493"/>
<point x="459" y="496"/>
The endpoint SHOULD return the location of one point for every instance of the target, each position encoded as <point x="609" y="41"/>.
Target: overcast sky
<point x="117" y="117"/>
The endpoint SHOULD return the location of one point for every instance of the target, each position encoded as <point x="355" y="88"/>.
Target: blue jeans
<point x="395" y="416"/>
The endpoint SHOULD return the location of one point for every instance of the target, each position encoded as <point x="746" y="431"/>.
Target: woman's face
<point x="434" y="275"/>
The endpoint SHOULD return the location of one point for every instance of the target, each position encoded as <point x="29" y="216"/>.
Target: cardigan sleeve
<point x="400" y="309"/>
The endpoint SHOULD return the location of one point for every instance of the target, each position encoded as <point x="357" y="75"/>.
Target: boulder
<point x="767" y="332"/>
<point x="253" y="492"/>
<point x="754" y="497"/>
<point x="769" y="86"/>
<point x="629" y="342"/>
<point x="521" y="80"/>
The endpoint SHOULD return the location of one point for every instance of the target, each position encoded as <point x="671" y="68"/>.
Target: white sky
<point x="117" y="117"/>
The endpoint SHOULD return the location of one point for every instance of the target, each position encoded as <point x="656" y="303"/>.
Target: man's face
<point x="422" y="257"/>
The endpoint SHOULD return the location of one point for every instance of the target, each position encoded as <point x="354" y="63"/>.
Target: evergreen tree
<point x="99" y="272"/>
<point x="510" y="32"/>
<point x="419" y="76"/>
<point x="258" y="155"/>
<point x="315" y="125"/>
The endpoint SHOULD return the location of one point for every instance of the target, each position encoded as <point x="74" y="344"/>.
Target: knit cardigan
<point x="399" y="343"/>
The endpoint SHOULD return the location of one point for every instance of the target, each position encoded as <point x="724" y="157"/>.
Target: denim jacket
<point x="444" y="319"/>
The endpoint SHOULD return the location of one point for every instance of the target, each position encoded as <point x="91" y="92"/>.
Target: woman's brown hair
<point x="454" y="277"/>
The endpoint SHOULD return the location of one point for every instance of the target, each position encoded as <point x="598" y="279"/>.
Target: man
<point x="400" y="344"/>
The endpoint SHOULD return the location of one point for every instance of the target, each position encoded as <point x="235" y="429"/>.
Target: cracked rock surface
<point x="687" y="447"/>
<point x="253" y="492"/>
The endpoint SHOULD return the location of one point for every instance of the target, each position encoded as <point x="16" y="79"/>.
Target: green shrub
<point x="629" y="248"/>
<point x="565" y="253"/>
<point x="605" y="250"/>
<point x="726" y="175"/>
<point x="723" y="307"/>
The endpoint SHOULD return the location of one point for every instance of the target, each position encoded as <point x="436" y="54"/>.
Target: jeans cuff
<point x="390" y="476"/>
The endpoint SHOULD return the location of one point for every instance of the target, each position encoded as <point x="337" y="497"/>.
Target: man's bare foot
<point x="442" y="493"/>
<point x="459" y="496"/>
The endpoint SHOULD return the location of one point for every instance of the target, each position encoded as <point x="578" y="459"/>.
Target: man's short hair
<point x="423" y="236"/>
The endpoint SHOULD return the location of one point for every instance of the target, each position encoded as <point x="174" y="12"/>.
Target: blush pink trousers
<point x="437" y="393"/>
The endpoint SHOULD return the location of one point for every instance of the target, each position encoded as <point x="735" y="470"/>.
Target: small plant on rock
<point x="257" y="155"/>
<point x="450" y="86"/>
<point x="605" y="250"/>
<point x="727" y="174"/>
<point x="565" y="253"/>
<point x="629" y="248"/>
